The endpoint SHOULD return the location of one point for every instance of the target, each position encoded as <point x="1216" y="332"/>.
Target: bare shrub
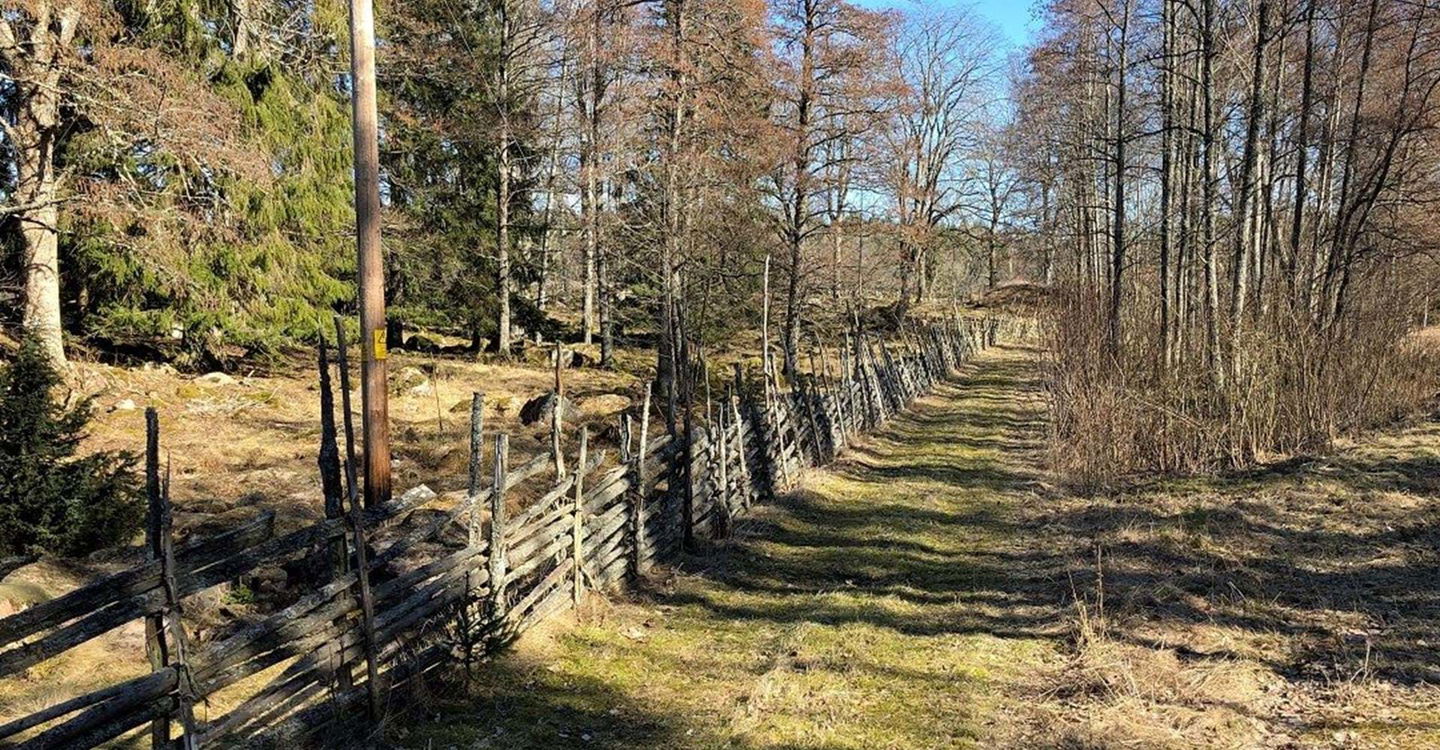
<point x="1281" y="386"/>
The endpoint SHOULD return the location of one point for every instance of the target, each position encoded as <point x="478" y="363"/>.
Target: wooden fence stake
<point x="813" y="397"/>
<point x="765" y="329"/>
<point x="687" y="476"/>
<point x="155" y="647"/>
<point x="743" y="480"/>
<point x="577" y="529"/>
<point x="342" y="363"/>
<point x="847" y="382"/>
<point x="641" y="482"/>
<point x="776" y="415"/>
<point x="357" y="534"/>
<point x="497" y="562"/>
<point x="720" y="492"/>
<point x="160" y="547"/>
<point x="330" y="483"/>
<point x="476" y="467"/>
<point x="334" y="491"/>
<point x="556" y="419"/>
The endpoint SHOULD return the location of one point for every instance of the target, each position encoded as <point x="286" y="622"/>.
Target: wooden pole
<point x="155" y="646"/>
<point x="160" y="547"/>
<point x="497" y="563"/>
<point x="556" y="419"/>
<point x="743" y="479"/>
<point x="477" y="422"/>
<point x="179" y="656"/>
<point x="367" y="604"/>
<point x="720" y="505"/>
<point x="765" y="330"/>
<point x="577" y="528"/>
<point x="375" y="422"/>
<point x="687" y="455"/>
<point x="641" y="482"/>
<point x="355" y="521"/>
<point x="347" y="413"/>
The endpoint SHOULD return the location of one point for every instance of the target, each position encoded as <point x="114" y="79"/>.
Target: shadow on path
<point x="913" y="593"/>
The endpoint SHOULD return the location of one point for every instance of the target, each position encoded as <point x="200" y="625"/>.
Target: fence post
<point x="805" y="393"/>
<point x="556" y="418"/>
<point x="497" y="562"/>
<point x="847" y="384"/>
<point x="639" y="483"/>
<point x="355" y="522"/>
<point x="468" y="614"/>
<point x="367" y="602"/>
<point x="160" y="547"/>
<point x="877" y="382"/>
<point x="830" y="404"/>
<point x="817" y="402"/>
<point x="577" y="529"/>
<point x="334" y="492"/>
<point x="687" y="482"/>
<point x="776" y="421"/>
<point x="720" y="502"/>
<point x="748" y="486"/>
<point x="476" y="465"/>
<point x="155" y="647"/>
<point x="775" y="443"/>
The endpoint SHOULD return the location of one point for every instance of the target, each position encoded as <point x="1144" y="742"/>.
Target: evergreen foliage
<point x="216" y="220"/>
<point x="50" y="499"/>
<point x="248" y="244"/>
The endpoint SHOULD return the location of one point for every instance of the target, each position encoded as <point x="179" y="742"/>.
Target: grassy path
<point x="883" y="605"/>
<point x="930" y="590"/>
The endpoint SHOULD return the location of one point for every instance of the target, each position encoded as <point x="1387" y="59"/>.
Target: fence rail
<point x="405" y="588"/>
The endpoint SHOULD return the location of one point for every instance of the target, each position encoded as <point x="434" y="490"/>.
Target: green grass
<point x="867" y="610"/>
<point x="922" y="593"/>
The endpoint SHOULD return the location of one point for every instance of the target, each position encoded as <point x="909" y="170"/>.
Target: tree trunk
<point x="666" y="349"/>
<point x="502" y="212"/>
<point x="1117" y="254"/>
<point x="1302" y="153"/>
<point x="1167" y="141"/>
<point x="34" y="69"/>
<point x="1243" y="250"/>
<point x="589" y="167"/>
<point x="242" y="28"/>
<point x="40" y="228"/>
<point x="1209" y="168"/>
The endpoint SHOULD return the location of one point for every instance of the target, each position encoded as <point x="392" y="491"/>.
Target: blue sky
<point x="1011" y="16"/>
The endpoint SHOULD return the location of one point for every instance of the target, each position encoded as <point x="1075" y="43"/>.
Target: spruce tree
<point x="52" y="500"/>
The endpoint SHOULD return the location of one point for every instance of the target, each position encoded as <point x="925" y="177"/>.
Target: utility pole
<point x="375" y="418"/>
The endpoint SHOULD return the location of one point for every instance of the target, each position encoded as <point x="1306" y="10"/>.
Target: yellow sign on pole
<point x="378" y="343"/>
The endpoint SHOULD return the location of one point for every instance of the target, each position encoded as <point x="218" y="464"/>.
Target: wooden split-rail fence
<point x="406" y="588"/>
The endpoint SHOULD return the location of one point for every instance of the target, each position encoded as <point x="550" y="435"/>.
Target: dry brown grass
<point x="1282" y="387"/>
<point x="237" y="449"/>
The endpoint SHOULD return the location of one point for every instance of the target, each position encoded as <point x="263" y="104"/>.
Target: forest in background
<point x="1223" y="203"/>
<point x="179" y="177"/>
<point x="1245" y="194"/>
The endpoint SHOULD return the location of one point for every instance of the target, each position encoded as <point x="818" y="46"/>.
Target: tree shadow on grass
<point x="949" y="536"/>
<point x="516" y="703"/>
<point x="922" y="537"/>
<point x="934" y="526"/>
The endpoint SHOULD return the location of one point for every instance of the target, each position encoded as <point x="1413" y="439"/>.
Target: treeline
<point x="179" y="170"/>
<point x="1242" y="193"/>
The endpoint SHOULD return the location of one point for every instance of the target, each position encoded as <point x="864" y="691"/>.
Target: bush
<point x="50" y="499"/>
<point x="1125" y="411"/>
